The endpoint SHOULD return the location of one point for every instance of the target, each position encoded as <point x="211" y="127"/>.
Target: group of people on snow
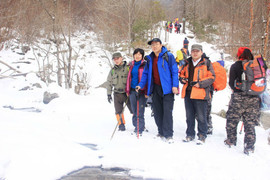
<point x="176" y="24"/>
<point x="158" y="75"/>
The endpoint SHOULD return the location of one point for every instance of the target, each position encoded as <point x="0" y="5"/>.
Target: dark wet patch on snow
<point x="98" y="173"/>
<point x="89" y="145"/>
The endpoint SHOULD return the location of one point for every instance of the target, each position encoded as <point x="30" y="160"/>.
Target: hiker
<point x="181" y="56"/>
<point x="197" y="79"/>
<point x="161" y="74"/>
<point x="167" y="26"/>
<point x="137" y="99"/>
<point x="177" y="27"/>
<point x="170" y="27"/>
<point x="209" y="107"/>
<point x="116" y="82"/>
<point x="242" y="106"/>
<point x="185" y="43"/>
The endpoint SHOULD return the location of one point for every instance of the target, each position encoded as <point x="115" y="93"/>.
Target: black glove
<point x="192" y="83"/>
<point x="146" y="58"/>
<point x="109" y="98"/>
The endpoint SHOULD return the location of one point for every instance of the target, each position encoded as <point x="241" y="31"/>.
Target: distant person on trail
<point x="167" y="26"/>
<point x="116" y="82"/>
<point x="242" y="106"/>
<point x="185" y="44"/>
<point x="161" y="74"/>
<point x="177" y="26"/>
<point x="170" y="27"/>
<point x="181" y="56"/>
<point x="197" y="78"/>
<point x="134" y="77"/>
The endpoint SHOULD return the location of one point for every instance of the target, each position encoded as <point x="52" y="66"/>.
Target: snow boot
<point x="201" y="140"/>
<point x="188" y="138"/>
<point x="248" y="150"/>
<point x="121" y="122"/>
<point x="210" y="131"/>
<point x="228" y="143"/>
<point x="121" y="127"/>
<point x="169" y="140"/>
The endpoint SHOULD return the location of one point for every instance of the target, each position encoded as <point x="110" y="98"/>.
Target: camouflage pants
<point x="248" y="108"/>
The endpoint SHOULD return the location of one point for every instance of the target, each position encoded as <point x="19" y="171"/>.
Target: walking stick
<point x="138" y="107"/>
<point x="120" y="118"/>
<point x="241" y="128"/>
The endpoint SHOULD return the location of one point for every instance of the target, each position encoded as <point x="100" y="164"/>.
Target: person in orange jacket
<point x="197" y="75"/>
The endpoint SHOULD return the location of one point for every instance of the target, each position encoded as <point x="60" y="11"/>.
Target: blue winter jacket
<point x="168" y="72"/>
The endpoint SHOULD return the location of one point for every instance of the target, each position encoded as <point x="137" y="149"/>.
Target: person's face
<point x="118" y="60"/>
<point x="138" y="56"/>
<point x="196" y="54"/>
<point x="156" y="47"/>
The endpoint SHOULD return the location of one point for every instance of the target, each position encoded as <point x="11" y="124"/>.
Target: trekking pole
<point x="241" y="128"/>
<point x="138" y="107"/>
<point x="120" y="118"/>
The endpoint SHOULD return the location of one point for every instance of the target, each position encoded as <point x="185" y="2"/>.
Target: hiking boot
<point x="160" y="136"/>
<point x="201" y="140"/>
<point x="210" y="131"/>
<point x="169" y="140"/>
<point x="247" y="151"/>
<point x="188" y="139"/>
<point x="228" y="143"/>
<point x="121" y="127"/>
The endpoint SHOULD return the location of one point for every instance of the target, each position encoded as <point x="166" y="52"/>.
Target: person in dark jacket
<point x="137" y="99"/>
<point x="161" y="76"/>
<point x="185" y="44"/>
<point x="242" y="106"/>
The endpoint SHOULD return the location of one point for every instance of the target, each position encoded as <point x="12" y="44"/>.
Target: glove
<point x="109" y="98"/>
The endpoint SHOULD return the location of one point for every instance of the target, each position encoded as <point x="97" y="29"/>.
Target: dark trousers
<point x="119" y="100"/>
<point x="199" y="108"/>
<point x="134" y="105"/>
<point x="209" y="117"/>
<point x="163" y="108"/>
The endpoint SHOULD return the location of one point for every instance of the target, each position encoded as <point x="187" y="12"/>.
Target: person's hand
<point x="197" y="85"/>
<point x="110" y="98"/>
<point x="175" y="90"/>
<point x="137" y="88"/>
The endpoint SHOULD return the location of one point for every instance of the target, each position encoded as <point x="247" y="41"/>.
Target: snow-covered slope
<point x="49" y="143"/>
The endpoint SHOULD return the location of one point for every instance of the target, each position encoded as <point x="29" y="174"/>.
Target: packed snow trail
<point x="52" y="143"/>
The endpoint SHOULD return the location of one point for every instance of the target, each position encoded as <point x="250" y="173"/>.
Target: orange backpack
<point x="220" y="82"/>
<point x="253" y="78"/>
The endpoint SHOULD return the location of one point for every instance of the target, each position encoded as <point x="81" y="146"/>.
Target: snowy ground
<point x="49" y="144"/>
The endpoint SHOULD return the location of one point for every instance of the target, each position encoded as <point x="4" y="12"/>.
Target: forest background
<point x="127" y="24"/>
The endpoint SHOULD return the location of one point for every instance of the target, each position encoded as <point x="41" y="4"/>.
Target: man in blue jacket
<point x="161" y="76"/>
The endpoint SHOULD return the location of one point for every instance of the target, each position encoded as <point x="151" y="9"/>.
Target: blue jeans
<point x="196" y="107"/>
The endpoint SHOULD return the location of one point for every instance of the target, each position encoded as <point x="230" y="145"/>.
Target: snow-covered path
<point x="47" y="145"/>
